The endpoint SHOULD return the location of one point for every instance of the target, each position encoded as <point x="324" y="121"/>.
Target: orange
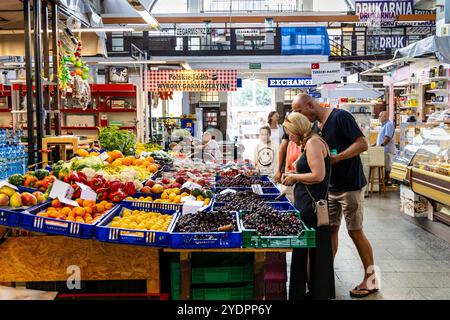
<point x="79" y="201"/>
<point x="71" y="214"/>
<point x="109" y="159"/>
<point x="80" y="212"/>
<point x="53" y="214"/>
<point x="56" y="203"/>
<point x="104" y="202"/>
<point x="152" y="168"/>
<point x="100" y="208"/>
<point x="109" y="206"/>
<point x="88" y="210"/>
<point x="150" y="159"/>
<point x="116" y="154"/>
<point x="66" y="211"/>
<point x="127" y="161"/>
<point x="82" y="153"/>
<point x="86" y="203"/>
<point x="70" y="218"/>
<point x="117" y="163"/>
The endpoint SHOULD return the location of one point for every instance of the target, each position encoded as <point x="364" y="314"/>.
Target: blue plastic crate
<point x="167" y="206"/>
<point x="269" y="197"/>
<point x="105" y="233"/>
<point x="266" y="190"/>
<point x="10" y="217"/>
<point x="206" y="240"/>
<point x="30" y="221"/>
<point x="279" y="206"/>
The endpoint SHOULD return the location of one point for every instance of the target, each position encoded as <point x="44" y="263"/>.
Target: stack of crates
<point x="217" y="276"/>
<point x="275" y="276"/>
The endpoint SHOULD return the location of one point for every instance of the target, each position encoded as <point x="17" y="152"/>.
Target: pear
<point x="7" y="190"/>
<point x="15" y="200"/>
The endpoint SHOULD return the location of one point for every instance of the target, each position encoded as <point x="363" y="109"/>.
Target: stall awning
<point x="439" y="46"/>
<point x="352" y="90"/>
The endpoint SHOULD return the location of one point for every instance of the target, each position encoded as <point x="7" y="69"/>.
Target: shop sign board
<point x="191" y="80"/>
<point x="254" y="66"/>
<point x="325" y="73"/>
<point x="391" y="42"/>
<point x="247" y="32"/>
<point x="290" y="82"/>
<point x="383" y="12"/>
<point x="193" y="31"/>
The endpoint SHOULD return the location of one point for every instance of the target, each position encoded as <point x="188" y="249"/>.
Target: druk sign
<point x="290" y="82"/>
<point x="391" y="42"/>
<point x="383" y="12"/>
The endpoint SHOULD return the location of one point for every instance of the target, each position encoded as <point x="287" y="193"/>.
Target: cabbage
<point x="92" y="162"/>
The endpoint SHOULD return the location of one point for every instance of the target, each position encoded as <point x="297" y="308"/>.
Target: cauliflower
<point x="138" y="185"/>
<point x="89" y="172"/>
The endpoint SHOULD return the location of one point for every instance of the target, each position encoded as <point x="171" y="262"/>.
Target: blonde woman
<point x="310" y="266"/>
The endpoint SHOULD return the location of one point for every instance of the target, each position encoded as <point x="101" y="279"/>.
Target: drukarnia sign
<point x="383" y="12"/>
<point x="191" y="80"/>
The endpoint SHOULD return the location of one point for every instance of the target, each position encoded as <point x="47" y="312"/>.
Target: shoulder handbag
<point x="321" y="206"/>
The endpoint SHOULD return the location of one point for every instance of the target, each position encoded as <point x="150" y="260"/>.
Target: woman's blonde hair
<point x="299" y="125"/>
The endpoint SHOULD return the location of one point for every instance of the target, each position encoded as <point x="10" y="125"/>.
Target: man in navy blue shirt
<point x="343" y="135"/>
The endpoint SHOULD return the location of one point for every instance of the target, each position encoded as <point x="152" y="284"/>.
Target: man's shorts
<point x="348" y="204"/>
<point x="388" y="160"/>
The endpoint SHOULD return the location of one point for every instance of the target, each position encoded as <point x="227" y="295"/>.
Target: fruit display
<point x="88" y="211"/>
<point x="242" y="200"/>
<point x="40" y="179"/>
<point x="141" y="220"/>
<point x="242" y="181"/>
<point x="148" y="147"/>
<point x="270" y="222"/>
<point x="11" y="198"/>
<point x="215" y="221"/>
<point x="112" y="138"/>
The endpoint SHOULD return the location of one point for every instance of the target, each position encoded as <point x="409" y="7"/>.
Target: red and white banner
<point x="191" y="80"/>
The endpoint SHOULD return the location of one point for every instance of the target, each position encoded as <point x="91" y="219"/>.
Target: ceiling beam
<point x="258" y="19"/>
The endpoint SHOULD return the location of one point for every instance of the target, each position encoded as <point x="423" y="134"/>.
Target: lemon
<point x="133" y="225"/>
<point x="164" y="195"/>
<point x="177" y="191"/>
<point x="172" y="196"/>
<point x="177" y="199"/>
<point x="115" y="224"/>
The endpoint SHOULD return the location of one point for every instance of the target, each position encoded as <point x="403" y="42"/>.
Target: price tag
<point x="227" y="191"/>
<point x="256" y="188"/>
<point x="5" y="183"/>
<point x="191" y="175"/>
<point x="104" y="156"/>
<point x="191" y="185"/>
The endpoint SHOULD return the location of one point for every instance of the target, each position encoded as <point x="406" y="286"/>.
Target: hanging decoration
<point x="73" y="74"/>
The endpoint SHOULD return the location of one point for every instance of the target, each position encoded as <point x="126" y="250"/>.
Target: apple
<point x="39" y="196"/>
<point x="165" y="180"/>
<point x="28" y="199"/>
<point x="150" y="183"/>
<point x="180" y="180"/>
<point x="4" y="199"/>
<point x="146" y="189"/>
<point x="201" y="182"/>
<point x="176" y="185"/>
<point x="165" y="187"/>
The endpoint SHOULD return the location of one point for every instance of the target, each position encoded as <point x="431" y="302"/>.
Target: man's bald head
<point x="383" y="116"/>
<point x="306" y="105"/>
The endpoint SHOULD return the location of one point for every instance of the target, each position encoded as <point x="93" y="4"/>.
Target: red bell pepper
<point x="117" y="196"/>
<point x="129" y="188"/>
<point x="76" y="192"/>
<point x="82" y="178"/>
<point x="72" y="178"/>
<point x="115" y="186"/>
<point x="102" y="194"/>
<point x="97" y="182"/>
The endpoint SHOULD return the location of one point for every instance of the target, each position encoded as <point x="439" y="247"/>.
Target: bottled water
<point x="13" y="156"/>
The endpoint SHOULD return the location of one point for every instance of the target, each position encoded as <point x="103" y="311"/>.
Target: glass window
<point x="117" y="43"/>
<point x="209" y="96"/>
<point x="289" y="94"/>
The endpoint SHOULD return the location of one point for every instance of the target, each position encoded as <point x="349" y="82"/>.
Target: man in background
<point x="386" y="139"/>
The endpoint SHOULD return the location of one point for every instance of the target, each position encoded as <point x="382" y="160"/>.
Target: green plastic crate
<point x="251" y="238"/>
<point x="175" y="280"/>
<point x="216" y="275"/>
<point x="239" y="293"/>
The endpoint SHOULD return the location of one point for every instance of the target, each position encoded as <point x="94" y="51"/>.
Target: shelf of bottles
<point x="13" y="155"/>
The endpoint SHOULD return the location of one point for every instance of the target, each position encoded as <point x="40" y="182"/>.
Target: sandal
<point x="362" y="295"/>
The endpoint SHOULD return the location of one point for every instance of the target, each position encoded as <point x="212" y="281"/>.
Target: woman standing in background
<point x="275" y="128"/>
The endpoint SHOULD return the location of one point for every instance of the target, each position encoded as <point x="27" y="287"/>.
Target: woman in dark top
<point x="310" y="266"/>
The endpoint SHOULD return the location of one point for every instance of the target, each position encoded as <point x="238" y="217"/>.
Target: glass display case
<point x="433" y="154"/>
<point x="430" y="166"/>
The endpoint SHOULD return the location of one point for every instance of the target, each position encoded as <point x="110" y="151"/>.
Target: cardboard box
<point x="417" y="209"/>
<point x="407" y="193"/>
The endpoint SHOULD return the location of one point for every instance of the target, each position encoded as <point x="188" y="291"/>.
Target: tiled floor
<point x="413" y="263"/>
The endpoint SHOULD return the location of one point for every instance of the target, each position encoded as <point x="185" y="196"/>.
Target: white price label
<point x="104" y="156"/>
<point x="256" y="188"/>
<point x="191" y="175"/>
<point x="228" y="191"/>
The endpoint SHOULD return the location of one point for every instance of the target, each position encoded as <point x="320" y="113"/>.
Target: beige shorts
<point x="348" y="204"/>
<point x="388" y="160"/>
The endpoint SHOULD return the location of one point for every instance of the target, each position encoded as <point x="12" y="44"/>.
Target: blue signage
<point x="290" y="82"/>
